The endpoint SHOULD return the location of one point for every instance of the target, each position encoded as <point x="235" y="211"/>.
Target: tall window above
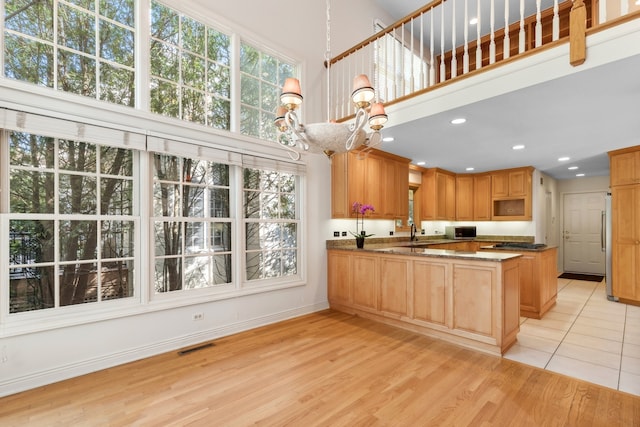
<point x="271" y="224"/>
<point x="262" y="77"/>
<point x="190" y="69"/>
<point x="83" y="47"/>
<point x="192" y="224"/>
<point x="71" y="222"/>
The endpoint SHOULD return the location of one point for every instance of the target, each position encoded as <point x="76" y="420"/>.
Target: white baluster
<point x="432" y="67"/>
<point x="403" y="65"/>
<point x="556" y="21"/>
<point x="506" y="46"/>
<point x="465" y="56"/>
<point x="602" y="11"/>
<point x="492" y="45"/>
<point x="454" y="59"/>
<point x="442" y="67"/>
<point x="624" y="7"/>
<point x="412" y="84"/>
<point x="521" y="36"/>
<point x="478" y="44"/>
<point x="397" y="90"/>
<point x="538" y="25"/>
<point x="423" y="72"/>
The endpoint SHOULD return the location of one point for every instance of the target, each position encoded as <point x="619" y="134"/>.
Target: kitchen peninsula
<point x="465" y="297"/>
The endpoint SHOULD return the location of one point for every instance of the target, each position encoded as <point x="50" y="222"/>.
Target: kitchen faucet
<point x="413" y="232"/>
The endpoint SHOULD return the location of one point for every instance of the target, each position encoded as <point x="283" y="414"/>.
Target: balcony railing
<point x="437" y="44"/>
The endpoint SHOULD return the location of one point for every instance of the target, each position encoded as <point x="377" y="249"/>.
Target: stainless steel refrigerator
<point x="606" y="245"/>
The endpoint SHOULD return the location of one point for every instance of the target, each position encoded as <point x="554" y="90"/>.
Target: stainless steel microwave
<point x="459" y="232"/>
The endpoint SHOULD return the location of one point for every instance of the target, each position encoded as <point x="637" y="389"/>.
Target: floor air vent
<point x="192" y="349"/>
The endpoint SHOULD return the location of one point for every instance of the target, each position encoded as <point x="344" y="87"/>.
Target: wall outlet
<point x="344" y="234"/>
<point x="197" y="316"/>
<point x="336" y="234"/>
<point x="391" y="233"/>
<point x="423" y="231"/>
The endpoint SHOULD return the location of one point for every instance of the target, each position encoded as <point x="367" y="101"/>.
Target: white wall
<point x="296" y="28"/>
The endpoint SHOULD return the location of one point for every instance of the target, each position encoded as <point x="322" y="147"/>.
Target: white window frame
<point x="63" y="129"/>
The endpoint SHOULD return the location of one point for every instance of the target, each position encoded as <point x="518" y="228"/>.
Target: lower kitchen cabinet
<point x="538" y="281"/>
<point x="470" y="302"/>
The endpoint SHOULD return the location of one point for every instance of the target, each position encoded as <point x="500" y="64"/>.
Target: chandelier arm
<point x="297" y="130"/>
<point x="293" y="154"/>
<point x="356" y="127"/>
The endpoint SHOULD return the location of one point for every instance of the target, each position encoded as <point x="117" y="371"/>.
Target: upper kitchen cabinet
<point x="625" y="166"/>
<point x="473" y="197"/>
<point x="438" y="195"/>
<point x="464" y="197"/>
<point x="482" y="197"/>
<point x="511" y="194"/>
<point x="377" y="178"/>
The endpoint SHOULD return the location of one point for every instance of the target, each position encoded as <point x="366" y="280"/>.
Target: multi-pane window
<point x="271" y="223"/>
<point x="192" y="223"/>
<point x="261" y="79"/>
<point x="71" y="222"/>
<point x="190" y="69"/>
<point x="84" y="47"/>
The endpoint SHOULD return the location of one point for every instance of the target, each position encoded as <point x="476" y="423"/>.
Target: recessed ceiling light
<point x="564" y="159"/>
<point x="421" y="163"/>
<point x="572" y="168"/>
<point x="458" y="121"/>
<point x="518" y="147"/>
<point x="579" y="174"/>
<point x="470" y="169"/>
<point x="474" y="21"/>
<point x="387" y="139"/>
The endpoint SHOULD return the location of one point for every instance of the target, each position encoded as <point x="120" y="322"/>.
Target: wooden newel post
<point x="578" y="33"/>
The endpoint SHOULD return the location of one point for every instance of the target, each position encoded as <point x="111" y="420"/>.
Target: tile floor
<point x="584" y="336"/>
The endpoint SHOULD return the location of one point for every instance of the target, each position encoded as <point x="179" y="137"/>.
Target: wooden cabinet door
<point x="499" y="184"/>
<point x="340" y="186"/>
<point x="482" y="198"/>
<point x="529" y="294"/>
<point x="429" y="284"/>
<point x="364" y="281"/>
<point x="473" y="299"/>
<point x="374" y="184"/>
<point x="464" y="197"/>
<point x="339" y="287"/>
<point x="625" y="202"/>
<point x="428" y="195"/>
<point x="394" y="282"/>
<point x="401" y="190"/>
<point x="450" y="198"/>
<point x="395" y="189"/>
<point x="625" y="168"/>
<point x="445" y="196"/>
<point x="518" y="183"/>
<point x="441" y="196"/>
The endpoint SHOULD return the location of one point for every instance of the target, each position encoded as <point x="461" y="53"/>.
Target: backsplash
<point x="338" y="243"/>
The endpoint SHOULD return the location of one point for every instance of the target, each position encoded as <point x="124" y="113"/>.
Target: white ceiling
<point x="581" y="116"/>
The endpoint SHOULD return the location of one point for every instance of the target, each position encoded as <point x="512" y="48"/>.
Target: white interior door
<point x="582" y="233"/>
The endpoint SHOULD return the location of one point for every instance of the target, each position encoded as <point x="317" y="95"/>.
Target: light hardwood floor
<point x="323" y="369"/>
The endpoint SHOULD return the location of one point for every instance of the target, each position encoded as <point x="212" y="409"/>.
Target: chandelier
<point x="330" y="137"/>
